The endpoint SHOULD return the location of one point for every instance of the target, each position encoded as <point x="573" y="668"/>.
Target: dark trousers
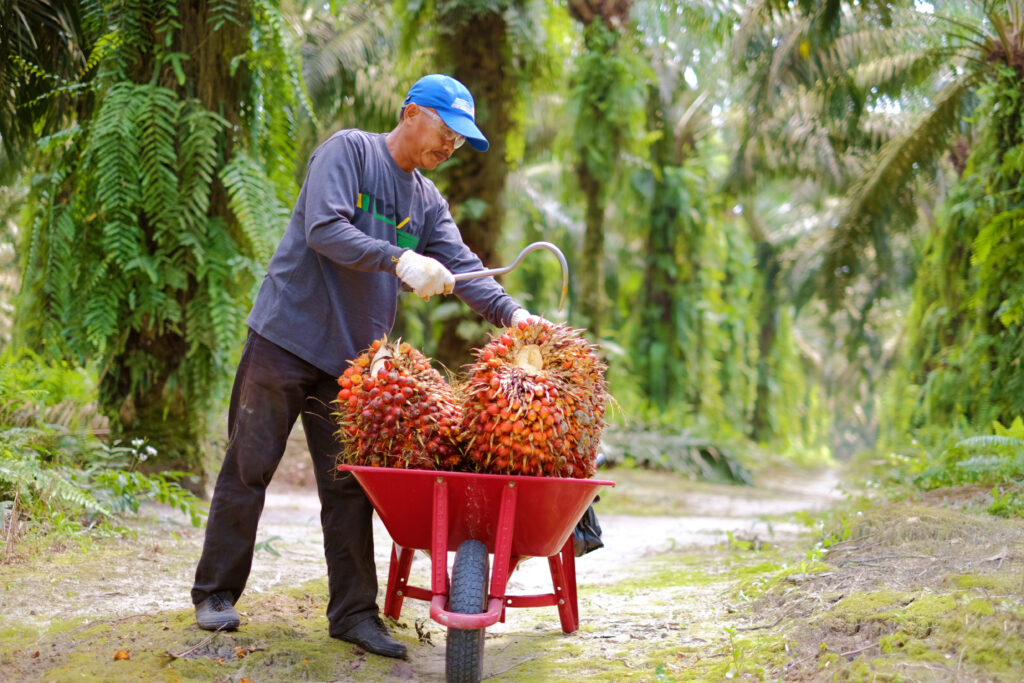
<point x="272" y="388"/>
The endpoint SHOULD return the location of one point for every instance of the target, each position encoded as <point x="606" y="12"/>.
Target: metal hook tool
<point x="490" y="272"/>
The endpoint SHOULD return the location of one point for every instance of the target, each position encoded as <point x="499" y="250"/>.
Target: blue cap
<point x="452" y="100"/>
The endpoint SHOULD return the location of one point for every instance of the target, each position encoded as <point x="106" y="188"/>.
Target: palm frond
<point x="992" y="441"/>
<point x="896" y="72"/>
<point x="252" y="199"/>
<point x="872" y="199"/>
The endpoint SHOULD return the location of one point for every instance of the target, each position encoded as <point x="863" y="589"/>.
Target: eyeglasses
<point x="447" y="133"/>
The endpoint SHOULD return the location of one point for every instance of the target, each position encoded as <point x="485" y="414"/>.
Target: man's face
<point x="435" y="142"/>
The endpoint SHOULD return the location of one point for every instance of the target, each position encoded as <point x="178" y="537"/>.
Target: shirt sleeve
<point x="483" y="295"/>
<point x="332" y="186"/>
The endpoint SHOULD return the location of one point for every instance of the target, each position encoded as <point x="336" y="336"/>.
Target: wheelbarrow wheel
<point x="464" y="654"/>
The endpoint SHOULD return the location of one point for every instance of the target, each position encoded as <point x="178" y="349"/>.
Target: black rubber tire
<point x="464" y="652"/>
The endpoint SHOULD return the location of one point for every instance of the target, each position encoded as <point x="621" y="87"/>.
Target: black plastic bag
<point x="587" y="534"/>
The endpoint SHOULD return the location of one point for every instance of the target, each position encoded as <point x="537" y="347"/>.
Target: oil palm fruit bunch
<point x="396" y="410"/>
<point x="534" y="403"/>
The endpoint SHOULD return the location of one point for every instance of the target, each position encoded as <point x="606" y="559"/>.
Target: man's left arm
<point x="484" y="295"/>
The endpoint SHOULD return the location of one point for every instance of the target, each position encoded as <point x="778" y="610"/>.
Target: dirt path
<point x="697" y="582"/>
<point x="111" y="597"/>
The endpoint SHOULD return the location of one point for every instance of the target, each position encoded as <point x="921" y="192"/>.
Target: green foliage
<point x="150" y="229"/>
<point x="44" y="59"/>
<point x="349" y="67"/>
<point x="259" y="212"/>
<point x="679" y="451"/>
<point x="41" y="488"/>
<point x="982" y="51"/>
<point x="60" y="491"/>
<point x="275" y="102"/>
<point x="606" y="102"/>
<point x="153" y="262"/>
<point x="54" y="474"/>
<point x="967" y="321"/>
<point x="35" y="392"/>
<point x="126" y="490"/>
<point x="1009" y="503"/>
<point x="982" y="459"/>
<point x="265" y="546"/>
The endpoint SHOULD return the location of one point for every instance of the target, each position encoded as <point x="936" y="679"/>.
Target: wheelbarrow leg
<point x="563" y="577"/>
<point x="398" y="579"/>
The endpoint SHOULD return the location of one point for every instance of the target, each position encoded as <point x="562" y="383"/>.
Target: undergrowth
<point x="681" y="451"/>
<point x="58" y="479"/>
<point x="993" y="459"/>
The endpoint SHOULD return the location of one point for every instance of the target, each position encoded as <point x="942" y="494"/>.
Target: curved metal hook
<point x="491" y="272"/>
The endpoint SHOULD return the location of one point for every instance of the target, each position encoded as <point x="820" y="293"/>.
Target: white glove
<point x="521" y="315"/>
<point x="426" y="276"/>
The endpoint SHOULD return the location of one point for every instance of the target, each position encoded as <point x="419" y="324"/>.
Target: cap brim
<point x="464" y="126"/>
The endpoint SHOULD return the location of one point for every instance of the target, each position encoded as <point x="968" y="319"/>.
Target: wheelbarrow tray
<point x="515" y="517"/>
<point x="546" y="510"/>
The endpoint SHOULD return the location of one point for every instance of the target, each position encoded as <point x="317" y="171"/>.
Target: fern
<point x="41" y="487"/>
<point x="149" y="235"/>
<point x="224" y="11"/>
<point x="987" y="466"/>
<point x="261" y="215"/>
<point x="993" y="441"/>
<point x="983" y="458"/>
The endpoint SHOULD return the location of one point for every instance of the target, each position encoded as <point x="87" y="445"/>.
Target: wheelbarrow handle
<point x="491" y="272"/>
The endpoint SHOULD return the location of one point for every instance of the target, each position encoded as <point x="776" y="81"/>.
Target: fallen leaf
<point x="240" y="652"/>
<point x="121" y="655"/>
<point x="35" y="654"/>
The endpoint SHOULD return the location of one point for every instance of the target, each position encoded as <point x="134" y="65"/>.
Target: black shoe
<point x="216" y="613"/>
<point x="372" y="635"/>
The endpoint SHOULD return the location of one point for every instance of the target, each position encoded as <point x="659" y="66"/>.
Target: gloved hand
<point x="522" y="314"/>
<point x="426" y="276"/>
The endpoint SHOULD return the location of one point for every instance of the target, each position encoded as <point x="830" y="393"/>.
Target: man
<point x="365" y="224"/>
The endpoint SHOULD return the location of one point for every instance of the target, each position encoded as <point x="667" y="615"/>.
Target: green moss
<point x="285" y="640"/>
<point x="928" y="631"/>
<point x="764" y="578"/>
<point x="1002" y="583"/>
<point x="979" y="607"/>
<point x="740" y="659"/>
<point x="857" y="607"/>
<point x="757" y="570"/>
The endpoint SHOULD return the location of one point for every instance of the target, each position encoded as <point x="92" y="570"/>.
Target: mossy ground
<point x="914" y="591"/>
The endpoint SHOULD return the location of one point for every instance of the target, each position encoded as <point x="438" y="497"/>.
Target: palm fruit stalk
<point x="395" y="410"/>
<point x="534" y="403"/>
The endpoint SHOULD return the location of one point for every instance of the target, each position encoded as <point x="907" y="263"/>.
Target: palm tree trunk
<point x="591" y="296"/>
<point x="479" y="62"/>
<point x="761" y="428"/>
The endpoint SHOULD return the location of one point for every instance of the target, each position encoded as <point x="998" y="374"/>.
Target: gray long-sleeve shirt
<point x="331" y="288"/>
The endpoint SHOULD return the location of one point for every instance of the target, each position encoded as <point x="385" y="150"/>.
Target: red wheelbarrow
<point x="477" y="515"/>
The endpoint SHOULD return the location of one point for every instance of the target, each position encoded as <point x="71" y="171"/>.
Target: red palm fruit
<point x="404" y="413"/>
<point x="533" y="403"/>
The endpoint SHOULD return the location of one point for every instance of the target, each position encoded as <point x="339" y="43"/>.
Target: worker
<point x="366" y="224"/>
